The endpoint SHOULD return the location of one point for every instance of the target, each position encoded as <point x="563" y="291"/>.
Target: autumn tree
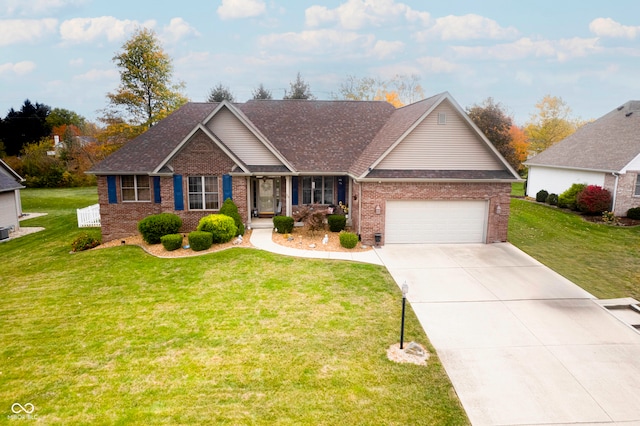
<point x="261" y="93"/>
<point x="494" y="122"/>
<point x="520" y="145"/>
<point x="398" y="91"/>
<point x="146" y="94"/>
<point x="299" y="89"/>
<point x="550" y="124"/>
<point x="220" y="93"/>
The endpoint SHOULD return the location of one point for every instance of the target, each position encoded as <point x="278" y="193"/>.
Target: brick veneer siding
<point x="626" y="188"/>
<point x="121" y="220"/>
<point x="371" y="194"/>
<point x="200" y="157"/>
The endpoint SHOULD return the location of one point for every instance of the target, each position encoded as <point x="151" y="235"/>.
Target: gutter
<point x="615" y="192"/>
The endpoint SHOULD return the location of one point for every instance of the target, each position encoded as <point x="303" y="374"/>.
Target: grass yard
<point x="602" y="259"/>
<point x="115" y="336"/>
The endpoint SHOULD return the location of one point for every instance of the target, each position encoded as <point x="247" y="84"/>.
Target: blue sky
<point x="59" y="52"/>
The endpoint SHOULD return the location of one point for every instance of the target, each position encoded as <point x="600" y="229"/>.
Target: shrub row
<point x="589" y="199"/>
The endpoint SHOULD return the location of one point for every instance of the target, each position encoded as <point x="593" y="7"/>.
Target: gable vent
<point x="442" y="118"/>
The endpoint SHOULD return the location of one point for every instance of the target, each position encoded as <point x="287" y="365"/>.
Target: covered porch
<point x="274" y="195"/>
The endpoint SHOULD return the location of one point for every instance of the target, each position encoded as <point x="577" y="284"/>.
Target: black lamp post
<point x="405" y="290"/>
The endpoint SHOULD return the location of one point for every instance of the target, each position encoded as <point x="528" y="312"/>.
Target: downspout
<point x="615" y="192"/>
<point x="360" y="208"/>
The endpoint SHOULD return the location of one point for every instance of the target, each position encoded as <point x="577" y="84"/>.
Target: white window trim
<point x="135" y="190"/>
<point x="636" y="187"/>
<point x="203" y="193"/>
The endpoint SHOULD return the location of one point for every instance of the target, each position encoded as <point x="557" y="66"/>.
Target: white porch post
<point x="288" y="199"/>
<point x="249" y="209"/>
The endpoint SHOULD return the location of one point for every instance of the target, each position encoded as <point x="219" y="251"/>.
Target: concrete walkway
<point x="521" y="344"/>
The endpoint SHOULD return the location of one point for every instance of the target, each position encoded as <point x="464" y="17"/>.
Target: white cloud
<point x="607" y="27"/>
<point x="466" y="27"/>
<point x="36" y="7"/>
<point x="19" y="68"/>
<point x="331" y="42"/>
<point x="178" y="29"/>
<point x="384" y="49"/>
<point x="97" y="75"/>
<point x="76" y="62"/>
<point x="562" y="50"/>
<point x="234" y="9"/>
<point x="356" y="14"/>
<point x="435" y="65"/>
<point x="85" y="30"/>
<point x="13" y="31"/>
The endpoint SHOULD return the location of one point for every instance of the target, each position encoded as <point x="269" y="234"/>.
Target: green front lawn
<point x="602" y="259"/>
<point x="115" y="336"/>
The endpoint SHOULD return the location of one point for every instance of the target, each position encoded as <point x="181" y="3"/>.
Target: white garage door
<point x="422" y="222"/>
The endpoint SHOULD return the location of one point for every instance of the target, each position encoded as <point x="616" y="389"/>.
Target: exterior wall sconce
<point x="378" y="209"/>
<point x="498" y="209"/>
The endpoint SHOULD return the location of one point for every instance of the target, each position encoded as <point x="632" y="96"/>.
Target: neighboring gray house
<point x="605" y="152"/>
<point x="10" y="204"/>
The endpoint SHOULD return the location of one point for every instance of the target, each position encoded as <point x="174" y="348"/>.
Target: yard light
<point x="405" y="290"/>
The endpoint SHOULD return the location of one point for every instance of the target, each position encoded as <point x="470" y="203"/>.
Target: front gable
<point x="442" y="140"/>
<point x="243" y="141"/>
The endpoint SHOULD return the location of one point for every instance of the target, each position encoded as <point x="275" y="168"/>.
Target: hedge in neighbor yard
<point x="153" y="227"/>
<point x="593" y="200"/>
<point x="567" y="200"/>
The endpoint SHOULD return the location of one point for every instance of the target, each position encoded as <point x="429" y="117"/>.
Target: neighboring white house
<point x="605" y="152"/>
<point x="10" y="203"/>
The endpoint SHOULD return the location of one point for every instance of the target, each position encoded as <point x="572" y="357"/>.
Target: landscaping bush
<point x="348" y="240"/>
<point x="337" y="222"/>
<point x="222" y="227"/>
<point x="171" y="242"/>
<point x="153" y="227"/>
<point x="541" y="196"/>
<point x="200" y="240"/>
<point x="593" y="200"/>
<point x="552" y="199"/>
<point x="83" y="242"/>
<point x="230" y="209"/>
<point x="567" y="200"/>
<point x="634" y="213"/>
<point x="283" y="224"/>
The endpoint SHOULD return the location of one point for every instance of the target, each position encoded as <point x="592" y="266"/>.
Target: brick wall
<point x="200" y="157"/>
<point x="376" y="194"/>
<point x="624" y="197"/>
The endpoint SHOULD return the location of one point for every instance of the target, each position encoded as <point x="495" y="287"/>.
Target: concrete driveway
<point x="521" y="344"/>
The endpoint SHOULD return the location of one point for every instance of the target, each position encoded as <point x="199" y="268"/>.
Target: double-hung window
<point x="203" y="193"/>
<point x="135" y="188"/>
<point x="317" y="190"/>
<point x="636" y="192"/>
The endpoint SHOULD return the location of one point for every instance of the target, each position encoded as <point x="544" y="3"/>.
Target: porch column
<point x="289" y="188"/>
<point x="249" y="206"/>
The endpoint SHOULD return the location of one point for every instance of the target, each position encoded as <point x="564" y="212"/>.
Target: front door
<point x="266" y="197"/>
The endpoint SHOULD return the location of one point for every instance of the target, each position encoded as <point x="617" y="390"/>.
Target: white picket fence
<point x="89" y="217"/>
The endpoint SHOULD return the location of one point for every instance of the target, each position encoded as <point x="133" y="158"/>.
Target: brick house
<point x="422" y="173"/>
<point x="605" y="152"/>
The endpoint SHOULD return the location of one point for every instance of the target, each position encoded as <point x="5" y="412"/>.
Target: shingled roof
<point x="607" y="144"/>
<point x="333" y="137"/>
<point x="318" y="136"/>
<point x="9" y="179"/>
<point x="146" y="152"/>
